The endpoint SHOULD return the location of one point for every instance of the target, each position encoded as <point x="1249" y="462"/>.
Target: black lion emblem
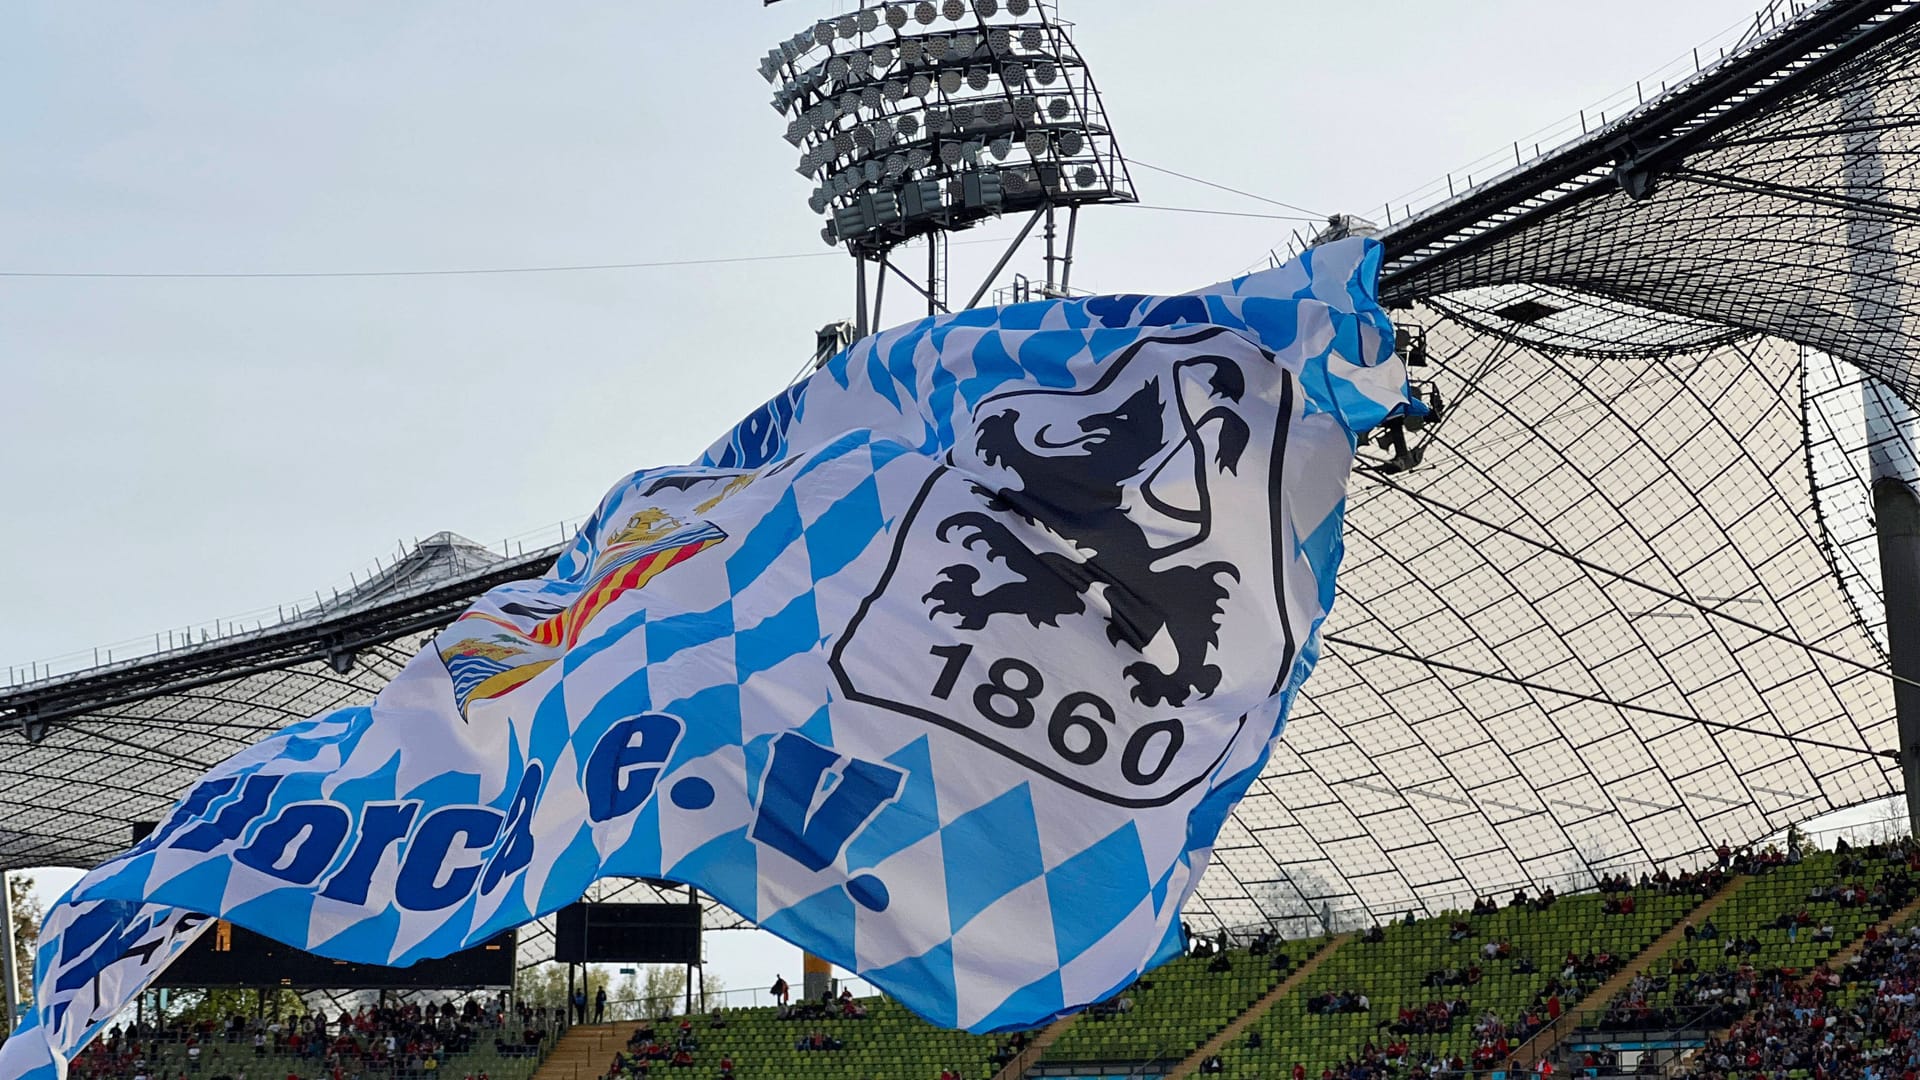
<point x="1076" y="489"/>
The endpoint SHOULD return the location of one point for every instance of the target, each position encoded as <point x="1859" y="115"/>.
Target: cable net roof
<point x="1408" y="779"/>
<point x="1857" y="428"/>
<point x="1675" y="352"/>
<point x="1777" y="193"/>
<point x="1625" y="608"/>
<point x="95" y="751"/>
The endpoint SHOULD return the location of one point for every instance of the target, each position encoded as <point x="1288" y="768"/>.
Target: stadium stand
<point x="804" y="1042"/>
<point x="1169" y="1013"/>
<point x="1208" y="1054"/>
<point x="1738" y="954"/>
<point x="1853" y="1019"/>
<point x="1797" y="911"/>
<point x="410" y="1042"/>
<point x="1462" y="990"/>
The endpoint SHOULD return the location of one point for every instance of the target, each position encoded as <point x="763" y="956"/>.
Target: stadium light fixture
<point x="921" y="118"/>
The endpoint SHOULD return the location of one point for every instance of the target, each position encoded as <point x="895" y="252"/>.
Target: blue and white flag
<point x="946" y="665"/>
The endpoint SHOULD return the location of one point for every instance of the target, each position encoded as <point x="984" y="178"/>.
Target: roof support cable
<point x="1508" y="348"/>
<point x="1879" y="208"/>
<point x="1606" y="571"/>
<point x="1599" y="699"/>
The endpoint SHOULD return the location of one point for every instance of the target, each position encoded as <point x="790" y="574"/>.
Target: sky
<point x="176" y="450"/>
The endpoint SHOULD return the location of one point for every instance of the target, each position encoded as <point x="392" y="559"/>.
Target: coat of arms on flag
<point x="490" y="652"/>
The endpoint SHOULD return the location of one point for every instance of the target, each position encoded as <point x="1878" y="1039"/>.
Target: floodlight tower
<point x="920" y="119"/>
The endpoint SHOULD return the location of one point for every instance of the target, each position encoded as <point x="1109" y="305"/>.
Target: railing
<point x="1689" y="1034"/>
<point x="1159" y="1064"/>
<point x="645" y="1007"/>
<point x="1350" y="914"/>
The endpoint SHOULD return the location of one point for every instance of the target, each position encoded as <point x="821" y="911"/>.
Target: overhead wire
<point x="458" y="272"/>
<point x="1312" y="215"/>
<point x="660" y="264"/>
<point x="1219" y="213"/>
<point x="571" y="268"/>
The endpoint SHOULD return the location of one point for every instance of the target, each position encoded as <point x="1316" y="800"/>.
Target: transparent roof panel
<point x="1560" y="509"/>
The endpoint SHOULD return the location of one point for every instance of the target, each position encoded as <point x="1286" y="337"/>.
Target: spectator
<point x="600" y="1004"/>
<point x="780" y="989"/>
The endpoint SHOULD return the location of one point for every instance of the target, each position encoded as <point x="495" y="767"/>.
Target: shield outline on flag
<point x="1289" y="649"/>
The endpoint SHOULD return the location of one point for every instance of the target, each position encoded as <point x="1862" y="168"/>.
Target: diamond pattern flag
<point x="947" y="665"/>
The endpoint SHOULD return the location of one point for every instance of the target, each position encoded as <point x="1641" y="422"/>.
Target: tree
<point x="712" y="992"/>
<point x="623" y="994"/>
<point x="217" y="1005"/>
<point x="542" y="985"/>
<point x="24" y="909"/>
<point x="1296" y="905"/>
<point x="666" y="985"/>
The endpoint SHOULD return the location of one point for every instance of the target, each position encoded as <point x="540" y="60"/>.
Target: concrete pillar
<point x="1872" y="272"/>
<point x="1897" y="512"/>
<point x="816" y="975"/>
<point x="8" y="967"/>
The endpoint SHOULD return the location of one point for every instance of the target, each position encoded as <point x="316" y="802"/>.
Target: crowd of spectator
<point x="1684" y="995"/>
<point x="666" y="1043"/>
<point x="1495" y="1036"/>
<point x="1803" y="1028"/>
<point x="1334" y="1002"/>
<point x="826" y="1007"/>
<point x="1008" y="1049"/>
<point x="406" y="1042"/>
<point x="1861" y="1021"/>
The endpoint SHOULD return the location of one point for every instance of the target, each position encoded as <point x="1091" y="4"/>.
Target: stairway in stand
<point x="1547" y="1039"/>
<point x="584" y="1052"/>
<point x="1837" y="961"/>
<point x="1025" y="1059"/>
<point x="1881" y="929"/>
<point x="1191" y="1063"/>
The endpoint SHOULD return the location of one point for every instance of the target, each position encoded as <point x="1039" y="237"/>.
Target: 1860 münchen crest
<point x="1106" y="529"/>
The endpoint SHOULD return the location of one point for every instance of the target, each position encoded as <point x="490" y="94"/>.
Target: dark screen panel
<point x="587" y="933"/>
<point x="229" y="955"/>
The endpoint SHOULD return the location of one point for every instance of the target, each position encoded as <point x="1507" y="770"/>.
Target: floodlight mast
<point x="919" y="119"/>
